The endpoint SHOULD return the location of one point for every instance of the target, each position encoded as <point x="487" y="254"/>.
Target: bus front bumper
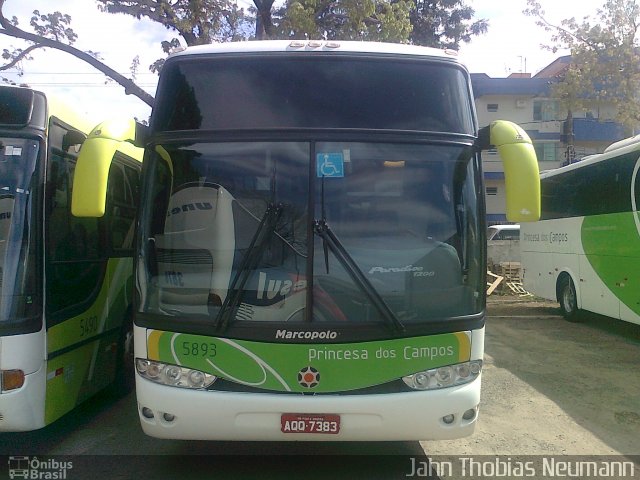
<point x="177" y="413"/>
<point x="23" y="409"/>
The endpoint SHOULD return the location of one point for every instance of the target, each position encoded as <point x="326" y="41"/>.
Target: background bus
<point x="311" y="263"/>
<point x="585" y="251"/>
<point x="65" y="282"/>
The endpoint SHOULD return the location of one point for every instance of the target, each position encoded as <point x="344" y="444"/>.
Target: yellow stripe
<point x="153" y="344"/>
<point x="464" y="346"/>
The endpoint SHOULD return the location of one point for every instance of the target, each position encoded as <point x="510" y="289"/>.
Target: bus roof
<point x="614" y="150"/>
<point x="267" y="46"/>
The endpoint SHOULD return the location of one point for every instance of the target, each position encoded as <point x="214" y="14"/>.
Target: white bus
<point x="66" y="283"/>
<point x="311" y="257"/>
<point x="585" y="250"/>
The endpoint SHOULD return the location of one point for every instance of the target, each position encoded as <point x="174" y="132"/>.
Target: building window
<point x="546" y="152"/>
<point x="492" y="107"/>
<point x="545" y="110"/>
<point x="492" y="190"/>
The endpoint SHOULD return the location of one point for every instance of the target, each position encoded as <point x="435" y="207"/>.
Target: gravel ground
<point x="551" y="387"/>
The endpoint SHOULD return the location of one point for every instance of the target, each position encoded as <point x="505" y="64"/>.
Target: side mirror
<point x="71" y="138"/>
<point x="92" y="168"/>
<point x="521" y="172"/>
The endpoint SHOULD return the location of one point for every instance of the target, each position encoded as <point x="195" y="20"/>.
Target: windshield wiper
<point x="330" y="240"/>
<point x="249" y="262"/>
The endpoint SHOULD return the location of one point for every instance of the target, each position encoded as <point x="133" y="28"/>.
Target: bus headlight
<point x="11" y="380"/>
<point x="444" y="377"/>
<point x="173" y="375"/>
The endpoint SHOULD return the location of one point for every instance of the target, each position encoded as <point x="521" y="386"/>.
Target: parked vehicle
<point x="503" y="245"/>
<point x="503" y="232"/>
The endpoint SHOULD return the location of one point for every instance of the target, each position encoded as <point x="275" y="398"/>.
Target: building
<point x="527" y="101"/>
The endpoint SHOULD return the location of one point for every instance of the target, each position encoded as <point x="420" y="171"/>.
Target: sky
<point x="512" y="45"/>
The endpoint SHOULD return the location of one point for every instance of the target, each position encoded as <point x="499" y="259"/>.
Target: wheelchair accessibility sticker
<point x="330" y="165"/>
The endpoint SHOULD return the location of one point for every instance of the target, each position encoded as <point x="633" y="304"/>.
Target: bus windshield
<point x="297" y="92"/>
<point x="19" y="305"/>
<point x="238" y="232"/>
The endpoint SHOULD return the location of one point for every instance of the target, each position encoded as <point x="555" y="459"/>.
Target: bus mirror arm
<point x="483" y="141"/>
<point x="141" y="135"/>
<point x="521" y="171"/>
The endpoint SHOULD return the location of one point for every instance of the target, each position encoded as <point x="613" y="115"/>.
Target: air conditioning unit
<point x="521" y="103"/>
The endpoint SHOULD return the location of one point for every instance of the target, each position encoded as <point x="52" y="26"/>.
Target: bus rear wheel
<point x="567" y="298"/>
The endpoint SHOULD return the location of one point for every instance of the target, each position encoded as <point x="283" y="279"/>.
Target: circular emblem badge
<point x="308" y="377"/>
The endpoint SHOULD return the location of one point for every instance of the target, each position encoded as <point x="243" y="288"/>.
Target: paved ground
<point x="554" y="387"/>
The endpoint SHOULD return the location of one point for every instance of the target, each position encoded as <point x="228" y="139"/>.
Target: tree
<point x="53" y="25"/>
<point x="435" y="23"/>
<point x="345" y="20"/>
<point x="198" y="22"/>
<point x="444" y="23"/>
<point x="438" y="23"/>
<point x="605" y="58"/>
<point x="264" y="19"/>
<point x="53" y="30"/>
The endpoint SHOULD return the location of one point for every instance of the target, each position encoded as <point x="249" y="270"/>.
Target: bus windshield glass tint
<point x="259" y="231"/>
<point x="15" y="106"/>
<point x="18" y="298"/>
<point x="313" y="92"/>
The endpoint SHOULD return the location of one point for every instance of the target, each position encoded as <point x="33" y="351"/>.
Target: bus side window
<point x="122" y="194"/>
<point x="70" y="238"/>
<point x="73" y="244"/>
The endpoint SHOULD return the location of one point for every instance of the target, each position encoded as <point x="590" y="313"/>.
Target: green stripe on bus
<point x="280" y="366"/>
<point x="81" y="350"/>
<point x="611" y="244"/>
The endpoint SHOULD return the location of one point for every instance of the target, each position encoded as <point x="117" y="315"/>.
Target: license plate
<point x="310" y="423"/>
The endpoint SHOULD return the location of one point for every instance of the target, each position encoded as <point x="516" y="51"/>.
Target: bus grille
<point x="184" y="256"/>
<point x="394" y="386"/>
<point x="245" y="312"/>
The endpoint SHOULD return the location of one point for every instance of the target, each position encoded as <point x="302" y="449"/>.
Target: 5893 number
<point x="88" y="326"/>
<point x="198" y="349"/>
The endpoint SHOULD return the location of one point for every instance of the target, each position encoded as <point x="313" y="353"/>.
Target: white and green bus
<point x="311" y="245"/>
<point x="585" y="250"/>
<point x="65" y="282"/>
